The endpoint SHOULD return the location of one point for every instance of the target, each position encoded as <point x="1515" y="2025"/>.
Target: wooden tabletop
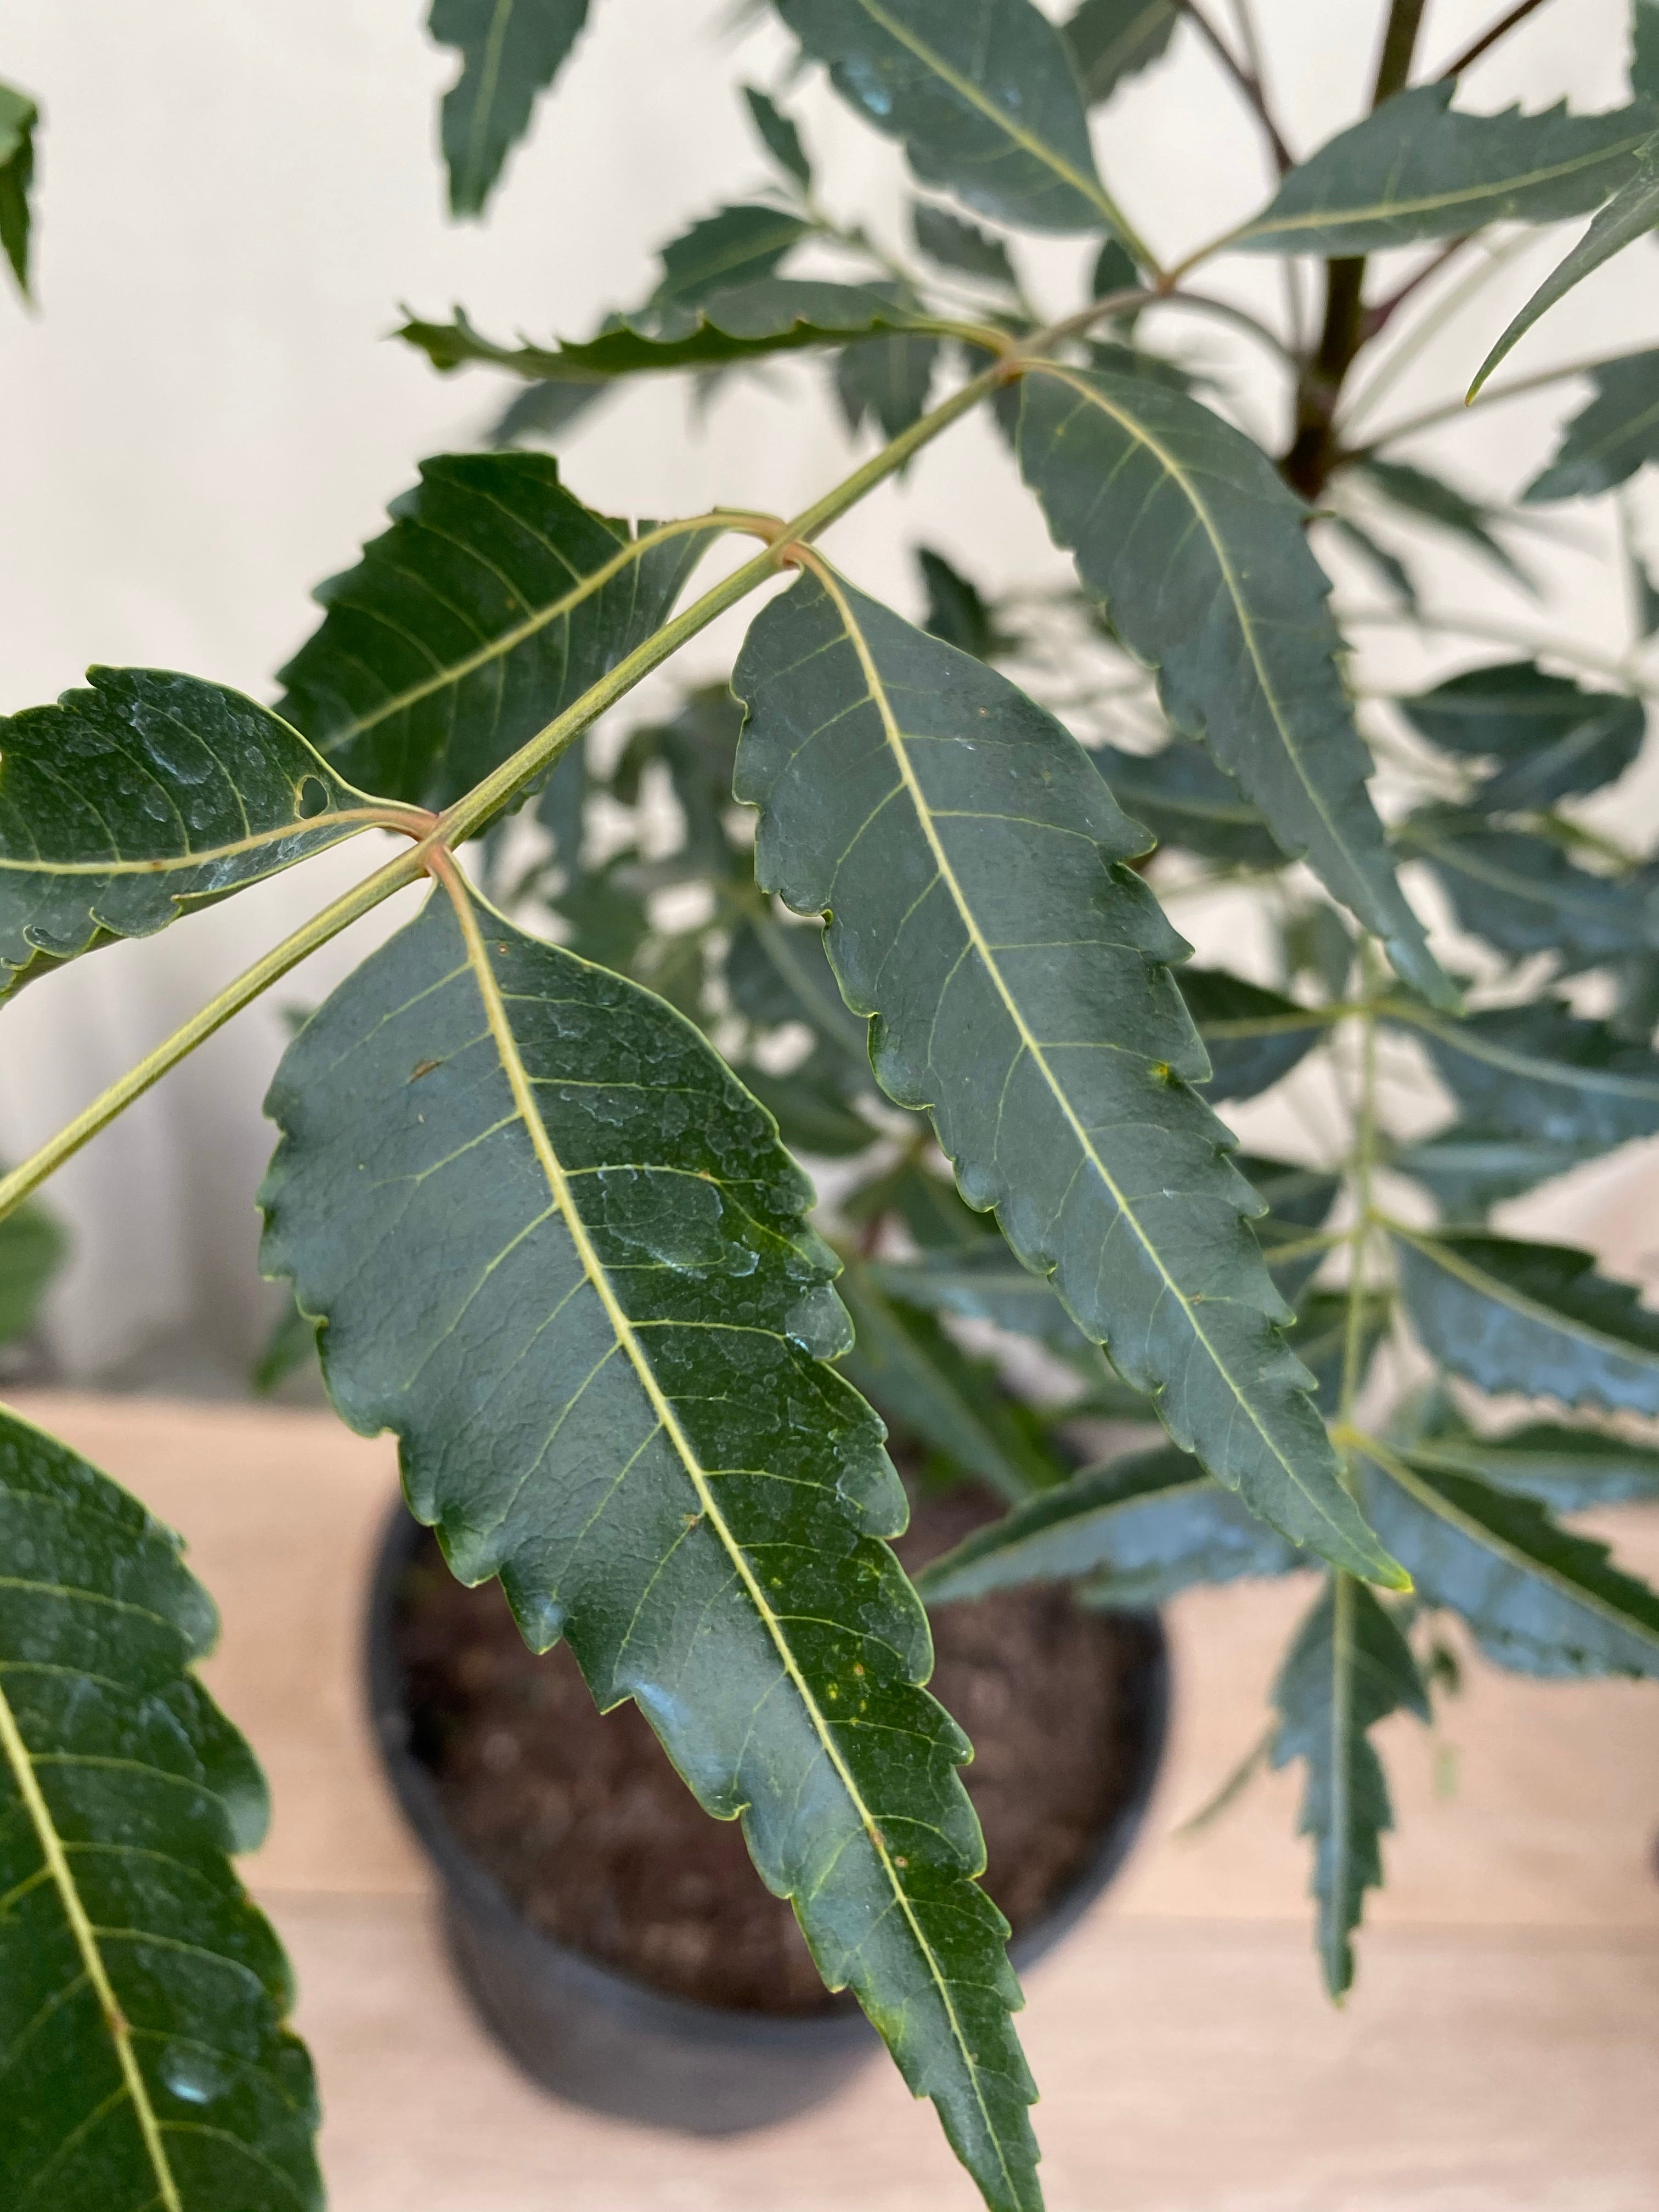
<point x="1498" y="2054"/>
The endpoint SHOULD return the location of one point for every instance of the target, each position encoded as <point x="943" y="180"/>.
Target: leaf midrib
<point x="490" y="71"/>
<point x="896" y="745"/>
<point x="364" y="817"/>
<point x="623" y="1328"/>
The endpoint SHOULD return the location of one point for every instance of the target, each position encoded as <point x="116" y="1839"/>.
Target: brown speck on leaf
<point x="423" y="1067"/>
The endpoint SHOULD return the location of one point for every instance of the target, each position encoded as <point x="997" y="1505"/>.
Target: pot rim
<point x="470" y="1885"/>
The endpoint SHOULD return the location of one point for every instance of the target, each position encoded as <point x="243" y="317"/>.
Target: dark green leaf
<point x="1434" y="499"/>
<point x="1184" y="529"/>
<point x="18" y="118"/>
<point x="982" y="1281"/>
<point x="1142" y="1527"/>
<point x="926" y="1385"/>
<point x="810" y="1107"/>
<point x="142" y="1996"/>
<point x="1111" y="39"/>
<point x="1569" y="1470"/>
<point x="1253" y="1037"/>
<point x="1388" y="566"/>
<point x="291" y="1345"/>
<point x="608" y="920"/>
<point x="776" y="314"/>
<point x="983" y="95"/>
<point x="955" y="244"/>
<point x="511" y="50"/>
<point x="579" y="1285"/>
<point x="1349" y="1668"/>
<point x="561" y="807"/>
<point x="957" y="611"/>
<point x="1611" y="438"/>
<point x="1538" y="1071"/>
<point x="126" y="805"/>
<point x="1320" y="1338"/>
<point x="1537" y="1598"/>
<point x="1643" y="591"/>
<point x="779" y="136"/>
<point x="1629" y="215"/>
<point x="1298" y="1201"/>
<point x="33" y="1247"/>
<point x="736" y="246"/>
<point x="1645" y="49"/>
<point x="495" y="600"/>
<point x="1552" y="737"/>
<point x="1113" y="271"/>
<point x="1531" y="1317"/>
<point x="1418" y="168"/>
<point x="1524" y="894"/>
<point x="974" y="864"/>
<point x="1186" y="801"/>
<point x="1317" y="942"/>
<point x="886" y="379"/>
<point x="1470" y="1168"/>
<point x="543" y="410"/>
<point x="777" y="973"/>
<point x="930" y="1209"/>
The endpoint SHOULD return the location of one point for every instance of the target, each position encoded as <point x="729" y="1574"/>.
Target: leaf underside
<point x="972" y="862"/>
<point x="511" y="50"/>
<point x="557" y="1249"/>
<point x="143" y="2060"/>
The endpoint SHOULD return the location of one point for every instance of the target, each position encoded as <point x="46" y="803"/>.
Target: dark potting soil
<point x="587" y="1828"/>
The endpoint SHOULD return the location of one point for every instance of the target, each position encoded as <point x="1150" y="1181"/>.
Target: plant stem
<point x="1490" y="37"/>
<point x="1246" y="77"/>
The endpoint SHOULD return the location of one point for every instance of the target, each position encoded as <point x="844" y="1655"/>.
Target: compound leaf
<point x="1611" y="438"/>
<point x="1349" y="1668"/>
<point x="558" y="1249"/>
<point x="1111" y="39"/>
<point x="972" y="861"/>
<point x="18" y="118"/>
<point x="1552" y="738"/>
<point x="1182" y="527"/>
<point x="1631" y="212"/>
<point x="1185" y="800"/>
<point x="981" y="92"/>
<point x="511" y="50"/>
<point x="1538" y="1071"/>
<point x="128" y="805"/>
<point x="1535" y="1318"/>
<point x="1417" y="168"/>
<point x="1538" y="1598"/>
<point x="1524" y="894"/>
<point x="494" y="601"/>
<point x="144" y="2058"/>
<point x="1253" y="1037"/>
<point x="1139" y="1529"/>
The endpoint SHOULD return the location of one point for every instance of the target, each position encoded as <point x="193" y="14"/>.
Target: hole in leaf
<point x="312" y="799"/>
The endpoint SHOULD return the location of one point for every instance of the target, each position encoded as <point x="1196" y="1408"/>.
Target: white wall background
<point x="204" y="418"/>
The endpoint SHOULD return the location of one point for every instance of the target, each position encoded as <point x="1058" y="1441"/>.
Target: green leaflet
<point x="930" y="1208"/>
<point x="511" y="50"/>
<point x="982" y="1281"/>
<point x="954" y="244"/>
<point x="495" y="600"/>
<point x="1537" y="1072"/>
<point x="1185" y="800"/>
<point x="18" y="117"/>
<point x="1349" y="1668"/>
<point x="1629" y="215"/>
<point x="1418" y="168"/>
<point x="1523" y="894"/>
<point x="957" y="611"/>
<point x="1552" y="738"/>
<point x="775" y="314"/>
<point x="918" y="1380"/>
<point x="777" y="973"/>
<point x="734" y="246"/>
<point x="972" y="862"/>
<point x="886" y="380"/>
<point x="1140" y="1528"/>
<point x="1613" y="436"/>
<point x="1535" y="1318"/>
<point x="983" y="93"/>
<point x="1182" y="527"/>
<point x="779" y="136"/>
<point x="1469" y="1169"/>
<point x="1567" y="1469"/>
<point x="125" y="805"/>
<point x="1432" y="499"/>
<point x="1111" y="39"/>
<point x="811" y="1107"/>
<point x="1253" y="1037"/>
<point x="559" y="1250"/>
<point x="1538" y="1598"/>
<point x="33" y="1247"/>
<point x="144" y="2058"/>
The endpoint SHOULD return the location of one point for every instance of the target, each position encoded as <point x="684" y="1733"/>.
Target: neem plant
<point x="549" y="1236"/>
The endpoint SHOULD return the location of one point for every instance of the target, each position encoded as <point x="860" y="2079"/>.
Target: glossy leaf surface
<point x="1612" y="438"/>
<point x="1538" y="1597"/>
<point x="1630" y="214"/>
<point x="130" y="803"/>
<point x="494" y="601"/>
<point x="971" y="860"/>
<point x="1253" y="1037"/>
<point x="143" y="2058"/>
<point x="1111" y="39"/>
<point x="1182" y="527"/>
<point x="511" y="50"/>
<point x="1535" y="1318"/>
<point x="1537" y="1070"/>
<point x="559" y="1250"/>
<point x="1552" y="738"/>
<point x="1419" y="168"/>
<point x="18" y="117"/>
<point x="1185" y="800"/>
<point x="1349" y="1668"/>
<point x="1139" y="1529"/>
<point x="1524" y="894"/>
<point x="33" y="1247"/>
<point x="981" y="92"/>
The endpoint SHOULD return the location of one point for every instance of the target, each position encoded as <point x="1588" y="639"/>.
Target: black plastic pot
<point x="607" y="2041"/>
